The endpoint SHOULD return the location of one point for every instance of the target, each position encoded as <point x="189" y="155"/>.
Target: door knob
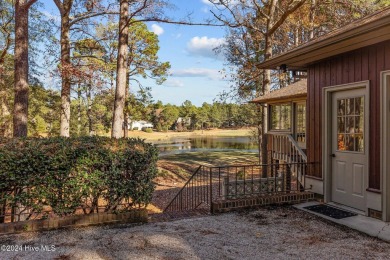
<point x="333" y="155"/>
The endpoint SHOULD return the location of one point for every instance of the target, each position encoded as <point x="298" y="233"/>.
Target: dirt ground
<point x="269" y="233"/>
<point x="174" y="171"/>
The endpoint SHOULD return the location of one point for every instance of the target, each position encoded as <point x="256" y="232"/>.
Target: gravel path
<point x="273" y="233"/>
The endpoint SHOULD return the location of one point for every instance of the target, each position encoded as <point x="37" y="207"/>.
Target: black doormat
<point x="330" y="211"/>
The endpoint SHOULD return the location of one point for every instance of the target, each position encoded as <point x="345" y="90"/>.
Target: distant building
<point x="182" y="123"/>
<point x="185" y="121"/>
<point x="138" y="125"/>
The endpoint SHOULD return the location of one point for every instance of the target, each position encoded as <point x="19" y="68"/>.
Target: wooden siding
<point x="359" y="65"/>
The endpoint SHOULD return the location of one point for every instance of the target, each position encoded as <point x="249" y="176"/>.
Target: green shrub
<point x="147" y="130"/>
<point x="72" y="173"/>
<point x="163" y="173"/>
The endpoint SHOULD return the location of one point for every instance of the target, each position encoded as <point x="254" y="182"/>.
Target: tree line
<point x="100" y="46"/>
<point x="93" y="116"/>
<point x="96" y="43"/>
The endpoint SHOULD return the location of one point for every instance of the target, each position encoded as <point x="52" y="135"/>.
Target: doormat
<point x="330" y="211"/>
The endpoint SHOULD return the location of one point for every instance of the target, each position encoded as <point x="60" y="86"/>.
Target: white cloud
<point x="228" y="2"/>
<point x="207" y="2"/>
<point x="212" y="74"/>
<point x="157" y="29"/>
<point x="177" y="35"/>
<point x="173" y="83"/>
<point x="55" y="18"/>
<point x="205" y="10"/>
<point x="204" y="46"/>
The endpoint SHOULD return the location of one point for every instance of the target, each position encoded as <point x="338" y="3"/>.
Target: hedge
<point x="69" y="175"/>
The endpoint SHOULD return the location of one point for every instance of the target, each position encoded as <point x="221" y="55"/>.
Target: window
<point x="301" y="123"/>
<point x="350" y="124"/>
<point x="280" y="117"/>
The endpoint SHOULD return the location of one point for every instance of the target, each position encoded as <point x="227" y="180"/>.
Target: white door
<point x="349" y="148"/>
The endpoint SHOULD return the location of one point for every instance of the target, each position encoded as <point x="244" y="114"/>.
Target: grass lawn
<point x="213" y="158"/>
<point x="164" y="136"/>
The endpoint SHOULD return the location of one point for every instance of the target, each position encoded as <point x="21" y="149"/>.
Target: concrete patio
<point x="370" y="226"/>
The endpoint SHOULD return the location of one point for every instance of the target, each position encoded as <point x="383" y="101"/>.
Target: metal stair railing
<point x="213" y="184"/>
<point x="196" y="192"/>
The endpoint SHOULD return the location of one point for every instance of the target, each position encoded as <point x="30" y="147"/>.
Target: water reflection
<point x="209" y="143"/>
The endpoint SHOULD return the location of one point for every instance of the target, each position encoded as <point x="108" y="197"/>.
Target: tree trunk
<point x="121" y="75"/>
<point x="5" y="130"/>
<point x="266" y="86"/>
<point x="312" y="17"/>
<point x="126" y="110"/>
<point x="112" y="81"/>
<point x="79" y="110"/>
<point x="264" y="110"/>
<point x="89" y="110"/>
<point x="296" y="36"/>
<point x="65" y="67"/>
<point x="21" y="74"/>
<point x="5" y="113"/>
<point x="21" y="87"/>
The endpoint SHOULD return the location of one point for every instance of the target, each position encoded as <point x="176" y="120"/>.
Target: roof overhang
<point x="280" y="99"/>
<point x="294" y="91"/>
<point x="361" y="33"/>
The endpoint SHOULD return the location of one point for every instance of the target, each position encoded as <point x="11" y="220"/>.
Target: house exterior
<point x="347" y="113"/>
<point x="139" y="125"/>
<point x="287" y="112"/>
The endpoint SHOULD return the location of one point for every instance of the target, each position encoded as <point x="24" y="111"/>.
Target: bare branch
<point x="259" y="10"/>
<point x="6" y="47"/>
<point x="7" y="35"/>
<point x="59" y="6"/>
<point x="168" y="21"/>
<point x="28" y="4"/>
<point x="281" y="20"/>
<point x="89" y="15"/>
<point x="140" y="9"/>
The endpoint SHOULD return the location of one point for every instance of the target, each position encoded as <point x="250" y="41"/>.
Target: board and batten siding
<point x="359" y="65"/>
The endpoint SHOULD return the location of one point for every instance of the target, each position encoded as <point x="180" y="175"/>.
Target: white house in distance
<point x="138" y="125"/>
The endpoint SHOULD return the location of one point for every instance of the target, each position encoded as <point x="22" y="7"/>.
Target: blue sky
<point x="195" y="68"/>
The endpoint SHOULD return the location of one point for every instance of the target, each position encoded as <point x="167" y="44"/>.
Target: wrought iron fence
<point x="195" y="194"/>
<point x="219" y="183"/>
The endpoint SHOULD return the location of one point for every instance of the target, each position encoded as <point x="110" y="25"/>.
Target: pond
<point x="209" y="143"/>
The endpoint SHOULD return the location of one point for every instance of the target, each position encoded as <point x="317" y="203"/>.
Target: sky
<point x="195" y="73"/>
<point x="195" y="67"/>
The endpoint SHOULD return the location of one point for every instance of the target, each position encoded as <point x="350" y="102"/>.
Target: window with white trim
<point x="280" y="117"/>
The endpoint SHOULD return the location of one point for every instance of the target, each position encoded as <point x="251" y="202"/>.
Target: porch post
<point x="264" y="155"/>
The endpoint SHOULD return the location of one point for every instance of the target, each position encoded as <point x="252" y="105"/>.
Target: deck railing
<point x="220" y="183"/>
<point x="284" y="147"/>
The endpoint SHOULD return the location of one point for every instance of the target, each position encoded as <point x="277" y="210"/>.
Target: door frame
<point x="327" y="131"/>
<point x="384" y="139"/>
